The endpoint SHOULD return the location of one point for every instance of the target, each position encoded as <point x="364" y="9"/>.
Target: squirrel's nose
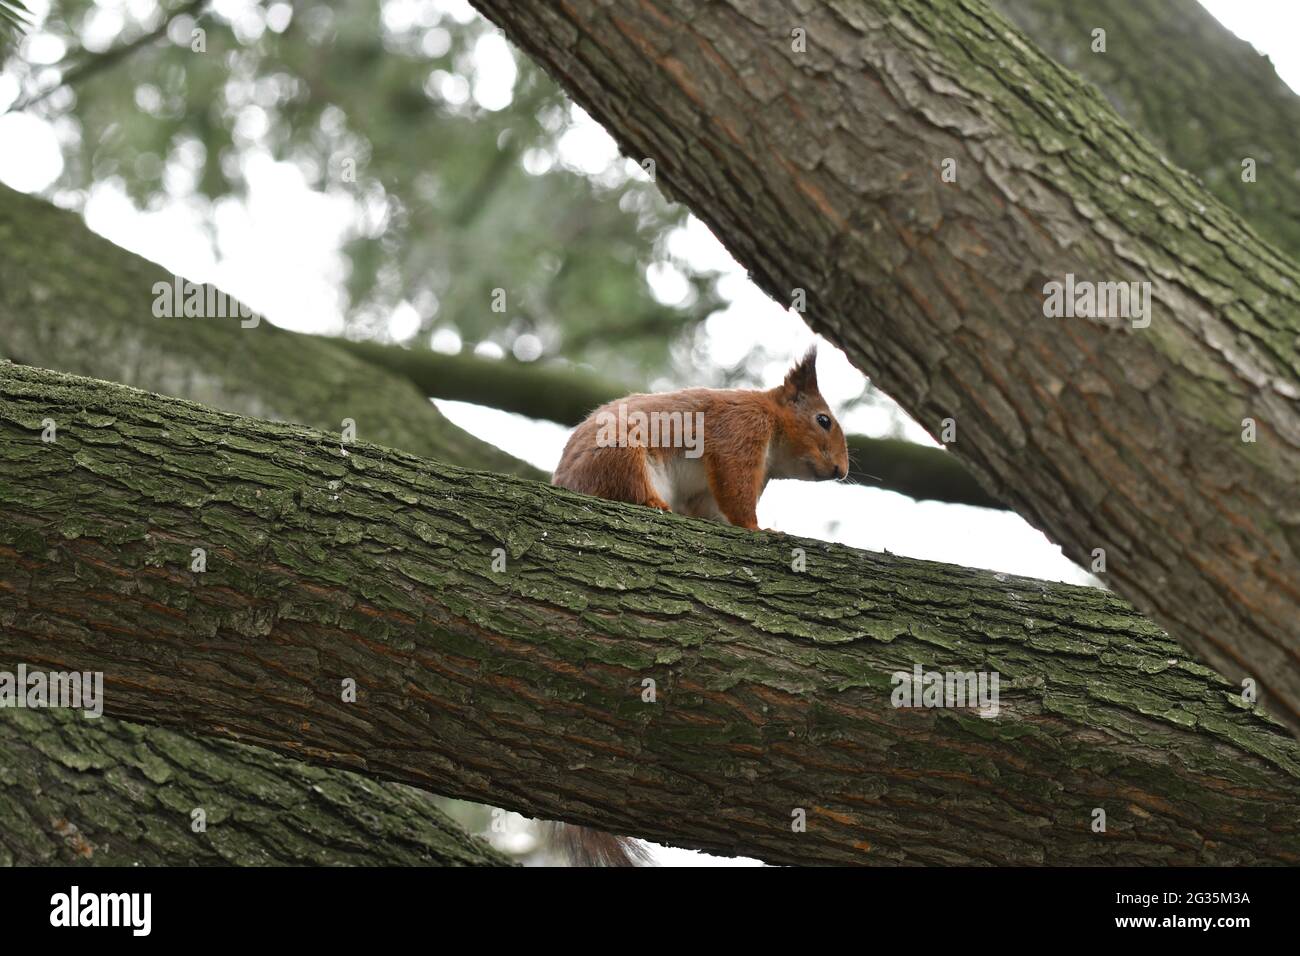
<point x="839" y="472"/>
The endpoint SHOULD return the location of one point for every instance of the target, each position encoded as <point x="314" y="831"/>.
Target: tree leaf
<point x="15" y="20"/>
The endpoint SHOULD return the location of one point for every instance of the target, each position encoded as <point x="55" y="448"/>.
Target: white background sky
<point x="279" y="251"/>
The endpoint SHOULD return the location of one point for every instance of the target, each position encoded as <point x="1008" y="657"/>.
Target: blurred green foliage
<point x="374" y="102"/>
<point x="14" y="19"/>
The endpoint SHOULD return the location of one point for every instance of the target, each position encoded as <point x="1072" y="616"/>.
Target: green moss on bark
<point x="524" y="688"/>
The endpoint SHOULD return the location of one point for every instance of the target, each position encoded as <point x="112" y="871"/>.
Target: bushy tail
<point x="584" y="847"/>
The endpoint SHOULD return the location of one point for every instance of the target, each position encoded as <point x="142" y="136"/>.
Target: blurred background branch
<point x="568" y="395"/>
<point x="81" y="65"/>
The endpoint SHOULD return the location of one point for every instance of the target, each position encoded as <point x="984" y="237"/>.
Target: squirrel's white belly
<point x="683" y="484"/>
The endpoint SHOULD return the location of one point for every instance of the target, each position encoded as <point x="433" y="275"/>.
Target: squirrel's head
<point x="814" y="446"/>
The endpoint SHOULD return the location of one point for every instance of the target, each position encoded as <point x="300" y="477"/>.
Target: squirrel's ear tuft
<point x="802" y="379"/>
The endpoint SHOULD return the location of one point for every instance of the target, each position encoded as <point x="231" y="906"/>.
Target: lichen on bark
<point x="102" y="792"/>
<point x="70" y="299"/>
<point x="524" y="686"/>
<point x="820" y="168"/>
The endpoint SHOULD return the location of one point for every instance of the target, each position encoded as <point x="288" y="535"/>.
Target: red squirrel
<point x="706" y="452"/>
<point x="703" y="452"/>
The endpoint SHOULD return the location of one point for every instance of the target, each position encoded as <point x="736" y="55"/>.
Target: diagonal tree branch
<point x="103" y="792"/>
<point x="72" y="790"/>
<point x="81" y="65"/>
<point x="73" y="301"/>
<point x="501" y="632"/>
<point x="1173" y="71"/>
<point x="1172" y="449"/>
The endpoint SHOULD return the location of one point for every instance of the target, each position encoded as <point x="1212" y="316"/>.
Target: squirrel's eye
<point x="824" y="421"/>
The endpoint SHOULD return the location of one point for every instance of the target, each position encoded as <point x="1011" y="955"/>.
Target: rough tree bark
<point x="79" y="791"/>
<point x="118" y="376"/>
<point x="568" y="396"/>
<point x="1169" y="68"/>
<point x="820" y="169"/>
<point x="1201" y="94"/>
<point x="71" y="299"/>
<point x="500" y="632"/>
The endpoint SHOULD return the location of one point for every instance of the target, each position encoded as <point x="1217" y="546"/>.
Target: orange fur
<point x="748" y="437"/>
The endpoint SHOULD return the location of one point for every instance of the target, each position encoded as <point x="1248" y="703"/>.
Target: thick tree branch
<point x="500" y="633"/>
<point x="103" y="792"/>
<point x="1181" y="77"/>
<point x="822" y="169"/>
<point x="71" y="299"/>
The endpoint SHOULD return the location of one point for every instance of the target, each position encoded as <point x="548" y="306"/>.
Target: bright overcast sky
<point x="279" y="252"/>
